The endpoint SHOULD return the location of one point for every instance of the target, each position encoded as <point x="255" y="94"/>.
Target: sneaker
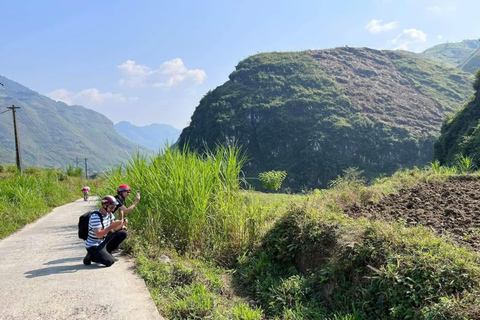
<point x="117" y="251"/>
<point x="87" y="260"/>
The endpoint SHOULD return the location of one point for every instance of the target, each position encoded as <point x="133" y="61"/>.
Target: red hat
<point x="123" y="188"/>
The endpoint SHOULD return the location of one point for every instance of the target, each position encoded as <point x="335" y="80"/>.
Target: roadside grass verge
<point x="25" y="198"/>
<point x="193" y="202"/>
<point x="237" y="254"/>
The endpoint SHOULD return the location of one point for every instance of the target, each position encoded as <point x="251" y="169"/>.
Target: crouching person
<point x="104" y="234"/>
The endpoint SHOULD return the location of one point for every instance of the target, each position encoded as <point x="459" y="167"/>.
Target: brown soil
<point x="450" y="208"/>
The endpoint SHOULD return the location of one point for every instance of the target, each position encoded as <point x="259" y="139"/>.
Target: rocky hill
<point x="153" y="136"/>
<point x="460" y="134"/>
<point x="316" y="113"/>
<point x="53" y="134"/>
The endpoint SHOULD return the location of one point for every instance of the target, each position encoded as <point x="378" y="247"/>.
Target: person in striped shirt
<point x="104" y="234"/>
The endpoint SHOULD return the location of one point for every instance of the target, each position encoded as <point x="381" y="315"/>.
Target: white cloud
<point x="88" y="97"/>
<point x="443" y="9"/>
<point x="375" y="26"/>
<point x="407" y="38"/>
<point x="62" y="95"/>
<point x="170" y="73"/>
<point x="434" y="9"/>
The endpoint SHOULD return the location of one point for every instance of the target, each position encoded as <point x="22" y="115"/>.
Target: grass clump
<point x="191" y="202"/>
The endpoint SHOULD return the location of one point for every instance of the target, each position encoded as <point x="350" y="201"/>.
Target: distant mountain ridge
<point x="153" y="136"/>
<point x="54" y="134"/>
<point x="464" y="55"/>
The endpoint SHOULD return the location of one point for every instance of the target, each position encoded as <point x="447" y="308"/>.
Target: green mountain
<point x="53" y="134"/>
<point x="153" y="136"/>
<point x="471" y="63"/>
<point x="464" y="55"/>
<point x="460" y="134"/>
<point x="316" y="113"/>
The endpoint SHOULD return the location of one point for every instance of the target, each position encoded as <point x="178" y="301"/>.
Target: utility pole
<point x="17" y="140"/>
<point x="76" y="160"/>
<point x="86" y="170"/>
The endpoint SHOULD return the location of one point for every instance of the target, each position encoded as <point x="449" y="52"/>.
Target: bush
<point x="272" y="180"/>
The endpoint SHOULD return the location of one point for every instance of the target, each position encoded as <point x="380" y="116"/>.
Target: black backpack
<point x="83" y="224"/>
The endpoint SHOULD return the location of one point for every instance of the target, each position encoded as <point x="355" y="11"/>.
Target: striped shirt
<point x="95" y="223"/>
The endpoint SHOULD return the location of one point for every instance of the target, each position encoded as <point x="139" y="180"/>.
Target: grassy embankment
<point x="243" y="255"/>
<point x="24" y="199"/>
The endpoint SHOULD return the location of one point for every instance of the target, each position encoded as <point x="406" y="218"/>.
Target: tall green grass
<point x="24" y="198"/>
<point x="190" y="201"/>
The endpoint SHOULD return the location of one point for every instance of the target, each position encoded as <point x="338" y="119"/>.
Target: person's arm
<point x="114" y="226"/>
<point x="124" y="209"/>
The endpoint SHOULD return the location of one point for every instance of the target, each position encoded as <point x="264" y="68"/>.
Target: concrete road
<point x="42" y="275"/>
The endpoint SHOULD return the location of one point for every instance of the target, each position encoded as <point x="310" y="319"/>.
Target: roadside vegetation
<point x="209" y="250"/>
<point x="25" y="198"/>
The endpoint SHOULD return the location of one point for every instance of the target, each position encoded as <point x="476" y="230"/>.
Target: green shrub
<point x="272" y="180"/>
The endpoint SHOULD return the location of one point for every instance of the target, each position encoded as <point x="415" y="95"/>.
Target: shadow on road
<point x="76" y="259"/>
<point x="59" y="270"/>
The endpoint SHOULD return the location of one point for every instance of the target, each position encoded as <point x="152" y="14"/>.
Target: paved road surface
<point x="42" y="275"/>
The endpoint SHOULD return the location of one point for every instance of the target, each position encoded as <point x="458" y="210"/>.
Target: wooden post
<point x="17" y="139"/>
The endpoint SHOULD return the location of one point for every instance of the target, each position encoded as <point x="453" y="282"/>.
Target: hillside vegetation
<point x="464" y="55"/>
<point x="208" y="250"/>
<point x="460" y="135"/>
<point x="316" y="113"/>
<point x="53" y="134"/>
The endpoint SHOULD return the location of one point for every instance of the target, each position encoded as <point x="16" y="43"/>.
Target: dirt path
<point x="42" y="275"/>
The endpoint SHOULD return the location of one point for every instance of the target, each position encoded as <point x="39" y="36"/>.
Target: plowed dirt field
<point x="450" y="208"/>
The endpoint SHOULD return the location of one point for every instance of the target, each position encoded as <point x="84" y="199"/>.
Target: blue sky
<point x="152" y="61"/>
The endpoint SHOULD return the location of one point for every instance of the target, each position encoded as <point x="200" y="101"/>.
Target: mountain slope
<point x="316" y="113"/>
<point x="53" y="134"/>
<point x="460" y="134"/>
<point x="456" y="54"/>
<point x="153" y="136"/>
<point x="471" y="63"/>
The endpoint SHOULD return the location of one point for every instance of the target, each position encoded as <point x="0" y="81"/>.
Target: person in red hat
<point x="123" y="191"/>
